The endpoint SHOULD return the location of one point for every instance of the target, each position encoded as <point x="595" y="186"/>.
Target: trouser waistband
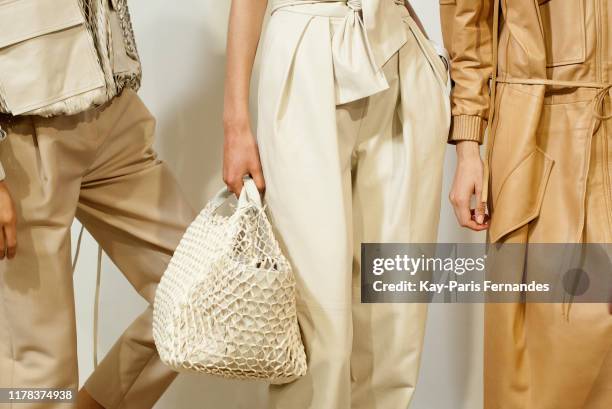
<point x="335" y="8"/>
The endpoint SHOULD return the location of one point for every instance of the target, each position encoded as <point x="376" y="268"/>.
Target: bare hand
<point x="8" y="223"/>
<point x="468" y="183"/>
<point x="241" y="158"/>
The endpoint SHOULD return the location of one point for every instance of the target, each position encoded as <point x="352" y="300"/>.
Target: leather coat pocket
<point x="520" y="195"/>
<point x="46" y="54"/>
<point x="564" y="27"/>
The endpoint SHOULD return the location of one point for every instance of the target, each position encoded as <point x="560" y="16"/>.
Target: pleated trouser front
<point x="340" y="175"/>
<point x="100" y="167"/>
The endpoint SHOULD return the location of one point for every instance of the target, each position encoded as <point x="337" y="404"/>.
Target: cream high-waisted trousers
<point x="338" y="175"/>
<point x="99" y="166"/>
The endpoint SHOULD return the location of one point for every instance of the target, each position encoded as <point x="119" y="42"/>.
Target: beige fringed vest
<point x="61" y="57"/>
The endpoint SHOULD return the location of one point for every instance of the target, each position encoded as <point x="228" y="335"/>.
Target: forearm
<point x="415" y="17"/>
<point x="246" y="20"/>
<point x="466" y="25"/>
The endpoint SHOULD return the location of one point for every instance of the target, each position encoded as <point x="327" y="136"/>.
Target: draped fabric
<point x="373" y="30"/>
<point x="341" y="174"/>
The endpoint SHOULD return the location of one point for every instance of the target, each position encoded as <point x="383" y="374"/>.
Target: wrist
<point x="468" y="150"/>
<point x="236" y="109"/>
<point x="238" y="131"/>
<point x="236" y="122"/>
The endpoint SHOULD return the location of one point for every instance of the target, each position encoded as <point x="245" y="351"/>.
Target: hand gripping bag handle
<point x="249" y="194"/>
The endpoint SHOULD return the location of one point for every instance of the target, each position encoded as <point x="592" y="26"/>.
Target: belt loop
<point x="599" y="103"/>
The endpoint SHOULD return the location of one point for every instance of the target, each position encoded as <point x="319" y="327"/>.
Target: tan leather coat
<point x="552" y="54"/>
<point x="549" y="156"/>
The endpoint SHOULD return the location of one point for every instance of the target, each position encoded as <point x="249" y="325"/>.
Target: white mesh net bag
<point x="226" y="305"/>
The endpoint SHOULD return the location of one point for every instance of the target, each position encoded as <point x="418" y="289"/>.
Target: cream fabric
<point x="61" y="57"/>
<point x="381" y="23"/>
<point x="337" y="176"/>
<point x="46" y="56"/>
<point x="370" y="34"/>
<point x="100" y="166"/>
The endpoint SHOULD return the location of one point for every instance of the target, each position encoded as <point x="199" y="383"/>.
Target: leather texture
<point x="549" y="174"/>
<point x="100" y="166"/>
<point x="64" y="56"/>
<point x="380" y="22"/>
<point x="370" y="34"/>
<point x="46" y="55"/>
<point x="338" y="175"/>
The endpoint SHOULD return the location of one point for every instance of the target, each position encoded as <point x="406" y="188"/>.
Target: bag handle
<point x="249" y="194"/>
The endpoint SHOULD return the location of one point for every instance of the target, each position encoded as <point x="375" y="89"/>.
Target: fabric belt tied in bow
<point x="373" y="31"/>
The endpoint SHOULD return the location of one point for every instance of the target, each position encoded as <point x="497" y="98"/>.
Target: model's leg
<point x="306" y="165"/>
<point x="600" y="396"/>
<point x="44" y="161"/>
<point x="134" y="208"/>
<point x="598" y="229"/>
<point x="566" y="350"/>
<point x="387" y="338"/>
<point x="505" y="367"/>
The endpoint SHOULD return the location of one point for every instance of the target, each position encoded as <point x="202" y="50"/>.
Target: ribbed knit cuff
<point x="467" y="128"/>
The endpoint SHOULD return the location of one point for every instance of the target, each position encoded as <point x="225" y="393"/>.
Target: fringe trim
<point x="73" y="105"/>
<point x="97" y="13"/>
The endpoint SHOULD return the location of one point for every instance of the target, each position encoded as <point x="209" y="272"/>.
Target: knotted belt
<point x="598" y="102"/>
<point x="372" y="32"/>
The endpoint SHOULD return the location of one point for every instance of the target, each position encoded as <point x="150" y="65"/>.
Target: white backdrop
<point x="182" y="49"/>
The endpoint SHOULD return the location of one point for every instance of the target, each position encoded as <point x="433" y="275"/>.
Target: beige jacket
<point x="61" y="57"/>
<point x="64" y="56"/>
<point x="549" y="52"/>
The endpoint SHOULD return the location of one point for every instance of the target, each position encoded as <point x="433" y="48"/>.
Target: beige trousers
<point x="99" y="166"/>
<point x="338" y="176"/>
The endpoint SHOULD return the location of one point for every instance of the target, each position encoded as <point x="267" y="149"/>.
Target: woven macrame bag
<point x="226" y="304"/>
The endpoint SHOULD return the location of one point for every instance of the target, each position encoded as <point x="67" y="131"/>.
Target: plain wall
<point x="182" y="47"/>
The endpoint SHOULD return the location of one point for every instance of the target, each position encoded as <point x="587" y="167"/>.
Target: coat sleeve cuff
<point x="467" y="128"/>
